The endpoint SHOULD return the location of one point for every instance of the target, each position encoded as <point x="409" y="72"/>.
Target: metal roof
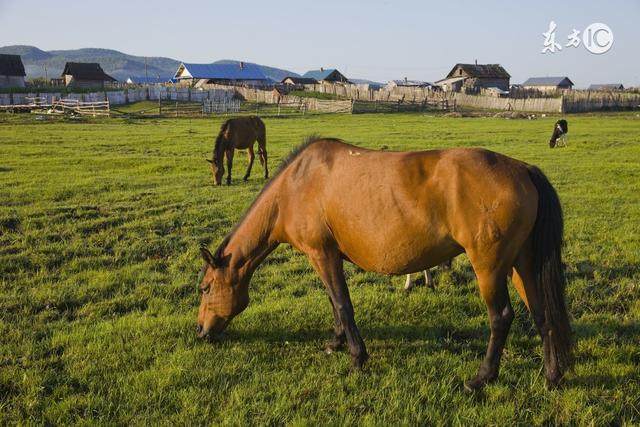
<point x="548" y="81"/>
<point x="86" y="71"/>
<point x="322" y="74"/>
<point x="607" y="86"/>
<point x="232" y="71"/>
<point x="411" y="83"/>
<point x="11" y="65"/>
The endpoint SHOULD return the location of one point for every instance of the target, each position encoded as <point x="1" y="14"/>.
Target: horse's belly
<point x="397" y="251"/>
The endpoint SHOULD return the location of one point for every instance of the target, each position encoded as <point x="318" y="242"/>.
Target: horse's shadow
<point x="409" y="337"/>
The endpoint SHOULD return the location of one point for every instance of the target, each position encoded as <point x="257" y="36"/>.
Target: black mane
<point x="218" y="148"/>
<point x="293" y="154"/>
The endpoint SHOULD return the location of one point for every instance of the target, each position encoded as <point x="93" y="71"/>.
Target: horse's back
<point x="244" y="131"/>
<point x="396" y="212"/>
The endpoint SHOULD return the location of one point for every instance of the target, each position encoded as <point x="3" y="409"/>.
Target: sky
<point x="377" y="40"/>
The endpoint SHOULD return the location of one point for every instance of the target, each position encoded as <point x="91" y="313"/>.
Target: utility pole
<point x="146" y="74"/>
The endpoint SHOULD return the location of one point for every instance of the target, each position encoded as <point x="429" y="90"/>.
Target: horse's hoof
<point x="474" y="385"/>
<point x="357" y="362"/>
<point x="553" y="383"/>
<point x="245" y="179"/>
<point x="333" y="345"/>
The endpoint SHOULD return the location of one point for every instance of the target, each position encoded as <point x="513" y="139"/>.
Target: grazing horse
<point x="428" y="278"/>
<point x="559" y="136"/>
<point x="239" y="134"/>
<point x="398" y="213"/>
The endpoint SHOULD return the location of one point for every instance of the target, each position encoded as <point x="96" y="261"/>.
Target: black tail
<point x="547" y="239"/>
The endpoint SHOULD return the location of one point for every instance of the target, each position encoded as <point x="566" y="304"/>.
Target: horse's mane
<point x="293" y="154"/>
<point x="218" y="148"/>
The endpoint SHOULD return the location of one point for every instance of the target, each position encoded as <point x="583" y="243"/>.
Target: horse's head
<point x="217" y="170"/>
<point x="561" y="127"/>
<point x="223" y="296"/>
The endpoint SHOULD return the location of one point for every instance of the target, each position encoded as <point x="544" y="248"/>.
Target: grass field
<point x="100" y="224"/>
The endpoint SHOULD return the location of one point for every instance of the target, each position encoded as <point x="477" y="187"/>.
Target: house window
<point x="460" y="71"/>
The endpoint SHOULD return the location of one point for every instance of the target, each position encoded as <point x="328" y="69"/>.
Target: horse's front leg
<point x="229" y="155"/>
<point x="329" y="266"/>
<point x="251" y="157"/>
<point x="339" y="337"/>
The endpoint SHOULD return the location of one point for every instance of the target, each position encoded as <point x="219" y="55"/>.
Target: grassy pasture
<point x="100" y="224"/>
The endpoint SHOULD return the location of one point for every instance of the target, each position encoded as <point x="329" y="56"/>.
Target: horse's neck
<point x="254" y="239"/>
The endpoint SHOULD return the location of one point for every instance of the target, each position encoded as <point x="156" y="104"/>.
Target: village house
<point x="11" y="71"/>
<point x="408" y="83"/>
<point x="474" y="77"/>
<point x="298" y="81"/>
<point x="607" y="87"/>
<point x="548" y="84"/>
<point x="85" y="75"/>
<point x="330" y="75"/>
<point x="233" y="74"/>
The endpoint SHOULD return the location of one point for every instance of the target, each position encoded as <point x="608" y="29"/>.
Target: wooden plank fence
<point x="74" y="106"/>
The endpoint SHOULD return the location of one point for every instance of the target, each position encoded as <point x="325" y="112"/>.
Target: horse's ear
<point x="207" y="256"/>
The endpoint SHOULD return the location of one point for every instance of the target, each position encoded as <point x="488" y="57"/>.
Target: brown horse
<point x="398" y="213"/>
<point x="239" y="134"/>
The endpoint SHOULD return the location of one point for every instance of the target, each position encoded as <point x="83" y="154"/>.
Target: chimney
<point x="476" y="62"/>
<point x="321" y="68"/>
<point x="406" y="79"/>
<point x="241" y="65"/>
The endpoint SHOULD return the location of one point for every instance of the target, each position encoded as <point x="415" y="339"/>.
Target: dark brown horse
<point x="398" y="213"/>
<point x="239" y="134"/>
<point x="559" y="135"/>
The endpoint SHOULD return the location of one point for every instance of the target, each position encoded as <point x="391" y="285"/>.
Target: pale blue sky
<point x="379" y="40"/>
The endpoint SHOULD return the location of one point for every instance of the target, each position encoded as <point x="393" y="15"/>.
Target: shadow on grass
<point x="453" y="339"/>
<point x="586" y="269"/>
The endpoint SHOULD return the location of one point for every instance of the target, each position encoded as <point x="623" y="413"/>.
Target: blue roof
<point x="231" y="71"/>
<point x="319" y="74"/>
<point x="547" y="81"/>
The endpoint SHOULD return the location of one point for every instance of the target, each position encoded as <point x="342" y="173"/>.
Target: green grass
<point x="312" y="94"/>
<point x="100" y="224"/>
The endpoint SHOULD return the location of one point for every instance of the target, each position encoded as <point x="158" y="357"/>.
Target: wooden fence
<point x="73" y="106"/>
<point x="125" y="96"/>
<point x="224" y="106"/>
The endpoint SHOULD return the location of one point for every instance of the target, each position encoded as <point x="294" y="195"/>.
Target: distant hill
<point x="115" y="63"/>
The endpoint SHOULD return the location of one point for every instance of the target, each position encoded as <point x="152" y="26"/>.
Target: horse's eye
<point x="206" y="289"/>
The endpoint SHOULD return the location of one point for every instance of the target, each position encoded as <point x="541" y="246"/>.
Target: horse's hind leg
<point x="524" y="281"/>
<point x="493" y="288"/>
<point x="262" y="153"/>
<point x="410" y="283"/>
<point x="252" y="156"/>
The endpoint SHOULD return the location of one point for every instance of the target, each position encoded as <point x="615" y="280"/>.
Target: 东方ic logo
<point x="597" y="38"/>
